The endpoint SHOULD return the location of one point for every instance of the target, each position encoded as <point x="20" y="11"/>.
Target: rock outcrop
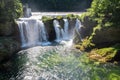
<point x="9" y="40"/>
<point x="109" y="35"/>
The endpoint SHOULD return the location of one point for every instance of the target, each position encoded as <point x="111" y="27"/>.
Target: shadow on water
<point x="15" y="66"/>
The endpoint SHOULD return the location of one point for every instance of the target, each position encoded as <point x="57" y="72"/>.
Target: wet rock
<point x="50" y="30"/>
<point x="87" y="27"/>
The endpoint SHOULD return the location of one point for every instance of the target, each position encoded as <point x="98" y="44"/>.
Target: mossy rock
<point x="47" y="18"/>
<point x="87" y="25"/>
<point x="106" y="54"/>
<point x="8" y="46"/>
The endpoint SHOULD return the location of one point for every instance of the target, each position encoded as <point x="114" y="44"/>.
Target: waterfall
<point x="32" y="32"/>
<point x="66" y="27"/>
<point x="78" y="27"/>
<point x="78" y="24"/>
<point x="57" y="30"/>
<point x="63" y="33"/>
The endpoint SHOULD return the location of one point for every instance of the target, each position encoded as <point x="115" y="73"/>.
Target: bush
<point x="86" y="44"/>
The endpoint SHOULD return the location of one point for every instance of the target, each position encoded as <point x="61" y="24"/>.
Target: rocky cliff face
<point x="9" y="40"/>
<point x="103" y="38"/>
<point x="106" y="36"/>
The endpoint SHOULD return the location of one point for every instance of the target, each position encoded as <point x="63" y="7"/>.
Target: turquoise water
<point x="59" y="62"/>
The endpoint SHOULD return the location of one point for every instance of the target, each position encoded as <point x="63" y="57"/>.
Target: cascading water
<point x="55" y="62"/>
<point x="78" y="24"/>
<point x="78" y="27"/>
<point x="64" y="33"/>
<point x="57" y="30"/>
<point x="66" y="28"/>
<point x="32" y="32"/>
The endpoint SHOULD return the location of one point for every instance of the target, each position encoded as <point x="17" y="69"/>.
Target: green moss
<point x="71" y="16"/>
<point x="59" y="17"/>
<point x="104" y="54"/>
<point x="46" y="18"/>
<point x="83" y="15"/>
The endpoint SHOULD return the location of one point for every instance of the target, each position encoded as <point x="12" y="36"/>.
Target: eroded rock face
<point x="9" y="41"/>
<point x="108" y="35"/>
<point x="87" y="27"/>
<point x="50" y="30"/>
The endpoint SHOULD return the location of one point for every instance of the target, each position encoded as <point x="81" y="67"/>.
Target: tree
<point x="106" y="12"/>
<point x="10" y="9"/>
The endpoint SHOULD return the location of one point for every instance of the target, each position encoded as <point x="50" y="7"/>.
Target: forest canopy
<point x="58" y="5"/>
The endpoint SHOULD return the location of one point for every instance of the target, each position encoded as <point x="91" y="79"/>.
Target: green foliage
<point x="59" y="17"/>
<point x="10" y="9"/>
<point x="83" y="15"/>
<point x="86" y="44"/>
<point x="71" y="16"/>
<point x="106" y="12"/>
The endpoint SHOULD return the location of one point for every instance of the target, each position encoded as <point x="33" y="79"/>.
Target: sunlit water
<point x="58" y="62"/>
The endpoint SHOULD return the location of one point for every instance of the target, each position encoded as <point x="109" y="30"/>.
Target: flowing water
<point x="54" y="61"/>
<point x="32" y="32"/>
<point x="58" y="62"/>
